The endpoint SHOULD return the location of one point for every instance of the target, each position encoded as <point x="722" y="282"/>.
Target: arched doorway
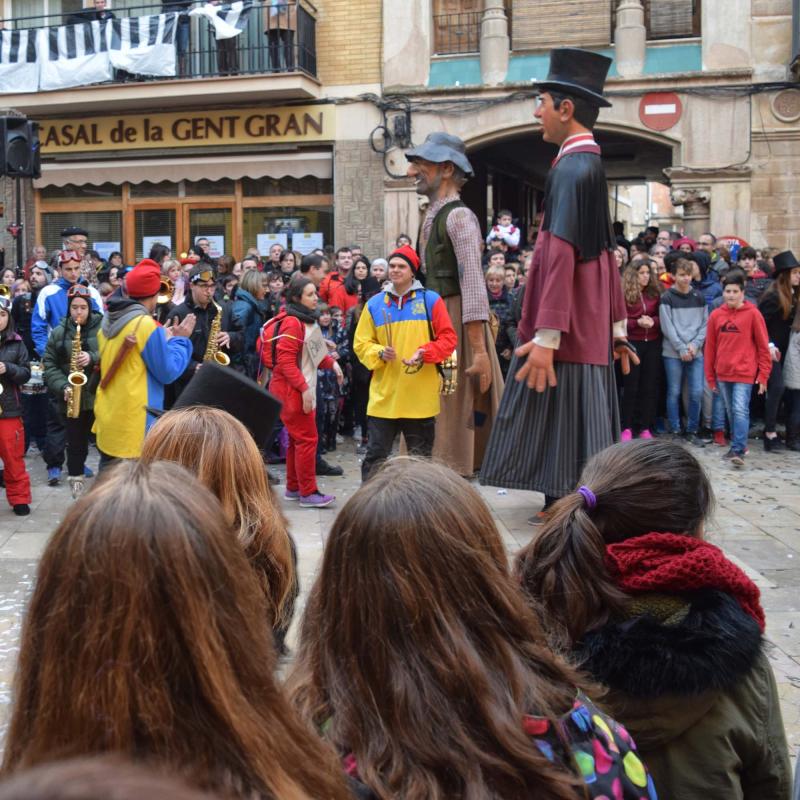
<point x="511" y="168"/>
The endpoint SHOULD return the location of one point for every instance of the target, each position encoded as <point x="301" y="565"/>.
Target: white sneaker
<point x="76" y="486"/>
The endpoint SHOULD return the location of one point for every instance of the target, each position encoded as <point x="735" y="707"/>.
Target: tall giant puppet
<point x="450" y="248"/>
<point x="562" y="407"/>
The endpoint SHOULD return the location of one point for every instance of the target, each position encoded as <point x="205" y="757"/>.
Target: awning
<point x="192" y="168"/>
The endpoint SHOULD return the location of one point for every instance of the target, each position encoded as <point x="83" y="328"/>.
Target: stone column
<point x="495" y="43"/>
<point x="696" y="202"/>
<point x="630" y="38"/>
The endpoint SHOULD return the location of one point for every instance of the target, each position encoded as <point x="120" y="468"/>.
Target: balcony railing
<point x="275" y="38"/>
<point x="668" y="19"/>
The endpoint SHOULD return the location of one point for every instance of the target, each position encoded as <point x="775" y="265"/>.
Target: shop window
<point x="216" y="224"/>
<point x="277" y="187"/>
<point x="148" y="189"/>
<point x="152" y="226"/>
<point x="85" y="192"/>
<point x="205" y="187"/>
<point x="292" y="221"/>
<point x="102" y="226"/>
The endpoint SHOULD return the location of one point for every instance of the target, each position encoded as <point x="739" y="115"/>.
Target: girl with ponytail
<point x="629" y="588"/>
<point x="421" y="664"/>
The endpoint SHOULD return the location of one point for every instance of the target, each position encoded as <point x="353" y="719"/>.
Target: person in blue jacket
<point x="708" y="282"/>
<point x="51" y="304"/>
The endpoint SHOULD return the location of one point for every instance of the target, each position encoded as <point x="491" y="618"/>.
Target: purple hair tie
<point x="589" y="496"/>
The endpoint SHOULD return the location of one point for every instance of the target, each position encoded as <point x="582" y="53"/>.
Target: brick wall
<point x="349" y="35"/>
<point x="775" y="187"/>
<point x="358" y="197"/>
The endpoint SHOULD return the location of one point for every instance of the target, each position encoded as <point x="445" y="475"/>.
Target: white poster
<point x="149" y="241"/>
<point x="105" y="249"/>
<point x="306" y="242"/>
<point x="265" y="240"/>
<point x="216" y="245"/>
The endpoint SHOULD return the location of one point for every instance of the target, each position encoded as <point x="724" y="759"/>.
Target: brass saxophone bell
<point x="223" y="359"/>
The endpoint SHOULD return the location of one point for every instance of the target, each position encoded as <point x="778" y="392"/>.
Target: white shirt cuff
<point x="548" y="337"/>
<point x="620" y="329"/>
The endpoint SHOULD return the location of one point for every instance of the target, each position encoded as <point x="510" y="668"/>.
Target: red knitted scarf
<point x="669" y="562"/>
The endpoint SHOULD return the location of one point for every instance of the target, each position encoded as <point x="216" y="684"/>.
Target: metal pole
<point x="21" y="233"/>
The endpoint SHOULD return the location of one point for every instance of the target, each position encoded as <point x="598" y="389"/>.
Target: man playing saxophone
<point x="212" y="337"/>
<point x="71" y="372"/>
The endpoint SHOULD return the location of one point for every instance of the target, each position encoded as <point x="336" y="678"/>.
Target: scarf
<point x="302" y="313"/>
<point x="669" y="562"/>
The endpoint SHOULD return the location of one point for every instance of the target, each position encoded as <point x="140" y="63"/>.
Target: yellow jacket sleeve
<point x="366" y="344"/>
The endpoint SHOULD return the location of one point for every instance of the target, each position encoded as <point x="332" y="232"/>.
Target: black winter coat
<point x="14" y="355"/>
<point x="778" y="328"/>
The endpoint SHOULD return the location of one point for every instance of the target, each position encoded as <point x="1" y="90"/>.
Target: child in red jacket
<point x="736" y="356"/>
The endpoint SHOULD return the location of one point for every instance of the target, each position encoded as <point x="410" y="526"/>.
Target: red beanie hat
<point x="409" y="255"/>
<point x="144" y="280"/>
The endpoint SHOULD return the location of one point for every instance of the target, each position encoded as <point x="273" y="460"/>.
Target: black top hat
<point x="580" y="73"/>
<point x="785" y="261"/>
<point x="229" y="390"/>
<point x="439" y="147"/>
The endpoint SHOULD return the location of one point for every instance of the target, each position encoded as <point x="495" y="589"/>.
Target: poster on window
<point x="216" y="245"/>
<point x="105" y="249"/>
<point x="265" y="240"/>
<point x="149" y="241"/>
<point x="306" y="242"/>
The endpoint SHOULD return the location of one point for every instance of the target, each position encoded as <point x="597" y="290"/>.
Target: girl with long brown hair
<point x="778" y="306"/>
<point x="422" y="665"/>
<point x="627" y="584"/>
<point x="640" y="387"/>
<point x="221" y="453"/>
<point x="145" y="637"/>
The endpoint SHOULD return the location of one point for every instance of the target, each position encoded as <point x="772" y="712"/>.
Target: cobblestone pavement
<point x="756" y="522"/>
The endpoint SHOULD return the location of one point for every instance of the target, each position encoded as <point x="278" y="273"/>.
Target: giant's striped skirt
<point x="541" y="442"/>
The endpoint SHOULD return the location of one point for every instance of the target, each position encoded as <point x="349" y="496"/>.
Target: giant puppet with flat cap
<point x="449" y="246"/>
<point x="561" y="408"/>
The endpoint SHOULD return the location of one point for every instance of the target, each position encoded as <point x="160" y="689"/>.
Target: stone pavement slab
<point x="756" y="522"/>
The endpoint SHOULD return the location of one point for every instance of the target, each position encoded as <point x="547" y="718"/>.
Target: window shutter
<point x="668" y="18"/>
<point x="552" y="23"/>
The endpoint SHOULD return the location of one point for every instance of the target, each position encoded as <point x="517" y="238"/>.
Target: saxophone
<point x="212" y="348"/>
<point x="76" y="378"/>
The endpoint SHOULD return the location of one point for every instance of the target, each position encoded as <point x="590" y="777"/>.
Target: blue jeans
<point x="717" y="413"/>
<point x="676" y="370"/>
<point x="736" y="397"/>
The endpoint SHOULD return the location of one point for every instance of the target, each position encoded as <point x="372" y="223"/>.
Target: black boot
<point x="793" y="438"/>
<point x="773" y="445"/>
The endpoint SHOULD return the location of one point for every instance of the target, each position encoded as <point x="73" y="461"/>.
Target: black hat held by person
<point x="580" y="73"/>
<point x="785" y="261"/>
<point x="228" y="390"/>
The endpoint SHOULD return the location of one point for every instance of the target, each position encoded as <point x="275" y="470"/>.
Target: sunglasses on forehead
<point x="78" y="291"/>
<point x="5" y="304"/>
<point x="69" y="255"/>
<point x="208" y="275"/>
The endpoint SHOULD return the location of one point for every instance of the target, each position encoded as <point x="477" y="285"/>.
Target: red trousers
<point x="301" y="458"/>
<point x="12" y="451"/>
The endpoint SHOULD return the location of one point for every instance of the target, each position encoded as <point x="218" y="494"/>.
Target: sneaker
<point x="361" y="449"/>
<point x="273" y="478"/>
<point x="324" y="468"/>
<point x="645" y="434"/>
<point x="719" y="439"/>
<point x="316" y="500"/>
<point x="88" y="472"/>
<point x="626" y="435"/>
<point x="76" y="486"/>
<point x="22" y="509"/>
<point x="737" y="459"/>
<point x="694" y="439"/>
<point x="292" y="494"/>
<point x="538" y="518"/>
<point x="53" y="476"/>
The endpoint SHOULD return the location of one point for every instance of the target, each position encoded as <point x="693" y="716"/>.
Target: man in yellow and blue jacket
<point x="403" y="333"/>
<point x="134" y="381"/>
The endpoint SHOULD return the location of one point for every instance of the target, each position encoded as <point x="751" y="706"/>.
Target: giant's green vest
<point x="441" y="264"/>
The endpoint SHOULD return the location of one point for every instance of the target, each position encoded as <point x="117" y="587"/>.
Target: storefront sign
<point x="189" y="129"/>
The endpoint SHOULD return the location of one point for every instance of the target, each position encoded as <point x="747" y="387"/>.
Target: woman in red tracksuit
<point x="15" y="370"/>
<point x="295" y="339"/>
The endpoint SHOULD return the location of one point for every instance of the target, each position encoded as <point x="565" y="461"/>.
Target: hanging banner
<point x="228" y="19"/>
<point x="19" y="70"/>
<point x="73" y="55"/>
<point x="144" y="45"/>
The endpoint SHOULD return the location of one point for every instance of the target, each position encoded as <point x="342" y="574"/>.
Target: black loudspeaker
<point x="21" y="157"/>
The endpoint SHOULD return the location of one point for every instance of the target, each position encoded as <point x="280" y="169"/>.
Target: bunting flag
<point x="228" y="19"/>
<point x="73" y="55"/>
<point x="143" y="45"/>
<point x="19" y="70"/>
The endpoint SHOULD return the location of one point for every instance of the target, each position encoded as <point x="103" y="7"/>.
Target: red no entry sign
<point x="659" y="111"/>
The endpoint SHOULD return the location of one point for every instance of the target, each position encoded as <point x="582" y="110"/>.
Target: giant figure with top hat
<point x="562" y="407"/>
